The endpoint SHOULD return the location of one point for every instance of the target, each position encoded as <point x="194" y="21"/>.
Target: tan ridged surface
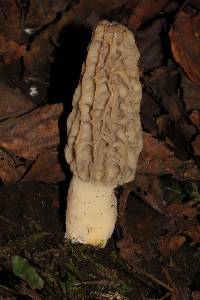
<point x="104" y="131"/>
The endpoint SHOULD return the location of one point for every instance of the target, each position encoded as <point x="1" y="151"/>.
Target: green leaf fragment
<point x="25" y="271"/>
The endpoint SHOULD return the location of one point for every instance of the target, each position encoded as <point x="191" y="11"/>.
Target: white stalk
<point x="91" y="212"/>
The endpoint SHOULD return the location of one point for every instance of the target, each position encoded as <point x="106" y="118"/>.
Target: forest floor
<point x="154" y="253"/>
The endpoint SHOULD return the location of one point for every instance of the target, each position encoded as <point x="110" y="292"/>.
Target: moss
<point x="126" y="287"/>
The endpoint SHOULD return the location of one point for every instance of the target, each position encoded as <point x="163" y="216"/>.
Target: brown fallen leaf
<point x="10" y="50"/>
<point x="163" y="81"/>
<point x="41" y="50"/>
<point x="196" y="295"/>
<point x="149" y="44"/>
<point x="43" y="13"/>
<point x="33" y="133"/>
<point x="174" y="126"/>
<point x="150" y="191"/>
<point x="196" y="145"/>
<point x="185" y="44"/>
<point x="13" y="103"/>
<point x="11" y="167"/>
<point x="177" y="236"/>
<point x="195" y="3"/>
<point x="195" y="118"/>
<point x="11" y="20"/>
<point x="156" y="158"/>
<point x="162" y="123"/>
<point x="148" y="115"/>
<point x="144" y="11"/>
<point x="46" y="168"/>
<point x="191" y="92"/>
<point x="170" y="242"/>
<point x="193" y="232"/>
<point x="188" y="210"/>
<point x="176" y="114"/>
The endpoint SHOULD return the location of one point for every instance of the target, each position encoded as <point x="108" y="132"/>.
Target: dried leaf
<point x="10" y="50"/>
<point x="144" y="11"/>
<point x="148" y="115"/>
<point x="163" y="81"/>
<point x="193" y="232"/>
<point x="185" y="43"/>
<point x="34" y="133"/>
<point x="11" y="167"/>
<point x="155" y="158"/>
<point x="162" y="123"/>
<point x="195" y="3"/>
<point x="170" y="242"/>
<point x="46" y="168"/>
<point x="44" y="12"/>
<point x="10" y="19"/>
<point x="191" y="93"/>
<point x="175" y="127"/>
<point x="149" y="44"/>
<point x="196" y="295"/>
<point x="100" y="7"/>
<point x="40" y="54"/>
<point x="196" y="146"/>
<point x="150" y="191"/>
<point x="188" y="210"/>
<point x="195" y="118"/>
<point x="13" y="103"/>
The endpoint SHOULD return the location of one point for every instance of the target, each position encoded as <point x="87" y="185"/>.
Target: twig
<point x="24" y="290"/>
<point x="9" y="222"/>
<point x="183" y="5"/>
<point x="166" y="296"/>
<point x="154" y="279"/>
<point x="98" y="282"/>
<point x="168" y="277"/>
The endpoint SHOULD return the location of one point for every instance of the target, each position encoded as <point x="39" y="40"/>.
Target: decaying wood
<point x="34" y="137"/>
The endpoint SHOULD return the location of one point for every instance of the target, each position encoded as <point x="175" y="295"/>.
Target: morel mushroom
<point x="104" y="133"/>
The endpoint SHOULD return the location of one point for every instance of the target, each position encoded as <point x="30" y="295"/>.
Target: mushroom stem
<point x="91" y="212"/>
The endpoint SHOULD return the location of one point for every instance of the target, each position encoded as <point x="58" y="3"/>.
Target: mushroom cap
<point x="104" y="130"/>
